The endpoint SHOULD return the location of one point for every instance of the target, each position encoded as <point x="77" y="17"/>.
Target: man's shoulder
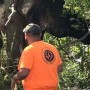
<point x="50" y="45"/>
<point x="28" y="48"/>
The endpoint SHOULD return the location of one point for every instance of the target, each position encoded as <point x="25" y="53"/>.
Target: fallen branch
<point x="78" y="40"/>
<point x="13" y="11"/>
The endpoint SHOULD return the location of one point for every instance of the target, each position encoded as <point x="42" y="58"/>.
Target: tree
<point x="48" y="14"/>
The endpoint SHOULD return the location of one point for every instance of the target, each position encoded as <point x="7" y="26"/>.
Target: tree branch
<point x="13" y="11"/>
<point x="75" y="41"/>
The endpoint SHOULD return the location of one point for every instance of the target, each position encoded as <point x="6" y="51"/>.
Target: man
<point x="39" y="64"/>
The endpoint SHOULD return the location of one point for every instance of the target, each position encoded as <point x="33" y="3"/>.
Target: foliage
<point x="79" y="6"/>
<point x="75" y="62"/>
<point x="78" y="13"/>
<point x="6" y="71"/>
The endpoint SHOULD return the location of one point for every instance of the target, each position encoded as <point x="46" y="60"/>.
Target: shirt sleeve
<point x="26" y="60"/>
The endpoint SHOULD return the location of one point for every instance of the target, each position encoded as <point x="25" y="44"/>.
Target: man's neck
<point x="34" y="40"/>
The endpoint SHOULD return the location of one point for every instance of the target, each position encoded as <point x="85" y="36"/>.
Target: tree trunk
<point x="13" y="31"/>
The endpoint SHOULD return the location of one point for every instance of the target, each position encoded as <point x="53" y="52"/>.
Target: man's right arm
<point x="60" y="68"/>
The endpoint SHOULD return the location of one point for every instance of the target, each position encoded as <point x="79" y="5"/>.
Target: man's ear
<point x="27" y="35"/>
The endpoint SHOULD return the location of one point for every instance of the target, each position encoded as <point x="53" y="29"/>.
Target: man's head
<point x="32" y="32"/>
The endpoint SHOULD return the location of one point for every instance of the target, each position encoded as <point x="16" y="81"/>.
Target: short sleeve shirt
<point x="42" y="59"/>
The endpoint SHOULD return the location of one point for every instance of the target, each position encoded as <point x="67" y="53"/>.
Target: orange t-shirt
<point x="42" y="59"/>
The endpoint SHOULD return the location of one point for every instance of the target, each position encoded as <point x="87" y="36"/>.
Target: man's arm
<point x="22" y="74"/>
<point x="60" y="68"/>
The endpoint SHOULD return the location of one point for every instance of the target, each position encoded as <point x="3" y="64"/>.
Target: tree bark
<point x="13" y="31"/>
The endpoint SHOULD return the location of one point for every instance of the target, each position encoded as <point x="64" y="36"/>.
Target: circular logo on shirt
<point x="48" y="56"/>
